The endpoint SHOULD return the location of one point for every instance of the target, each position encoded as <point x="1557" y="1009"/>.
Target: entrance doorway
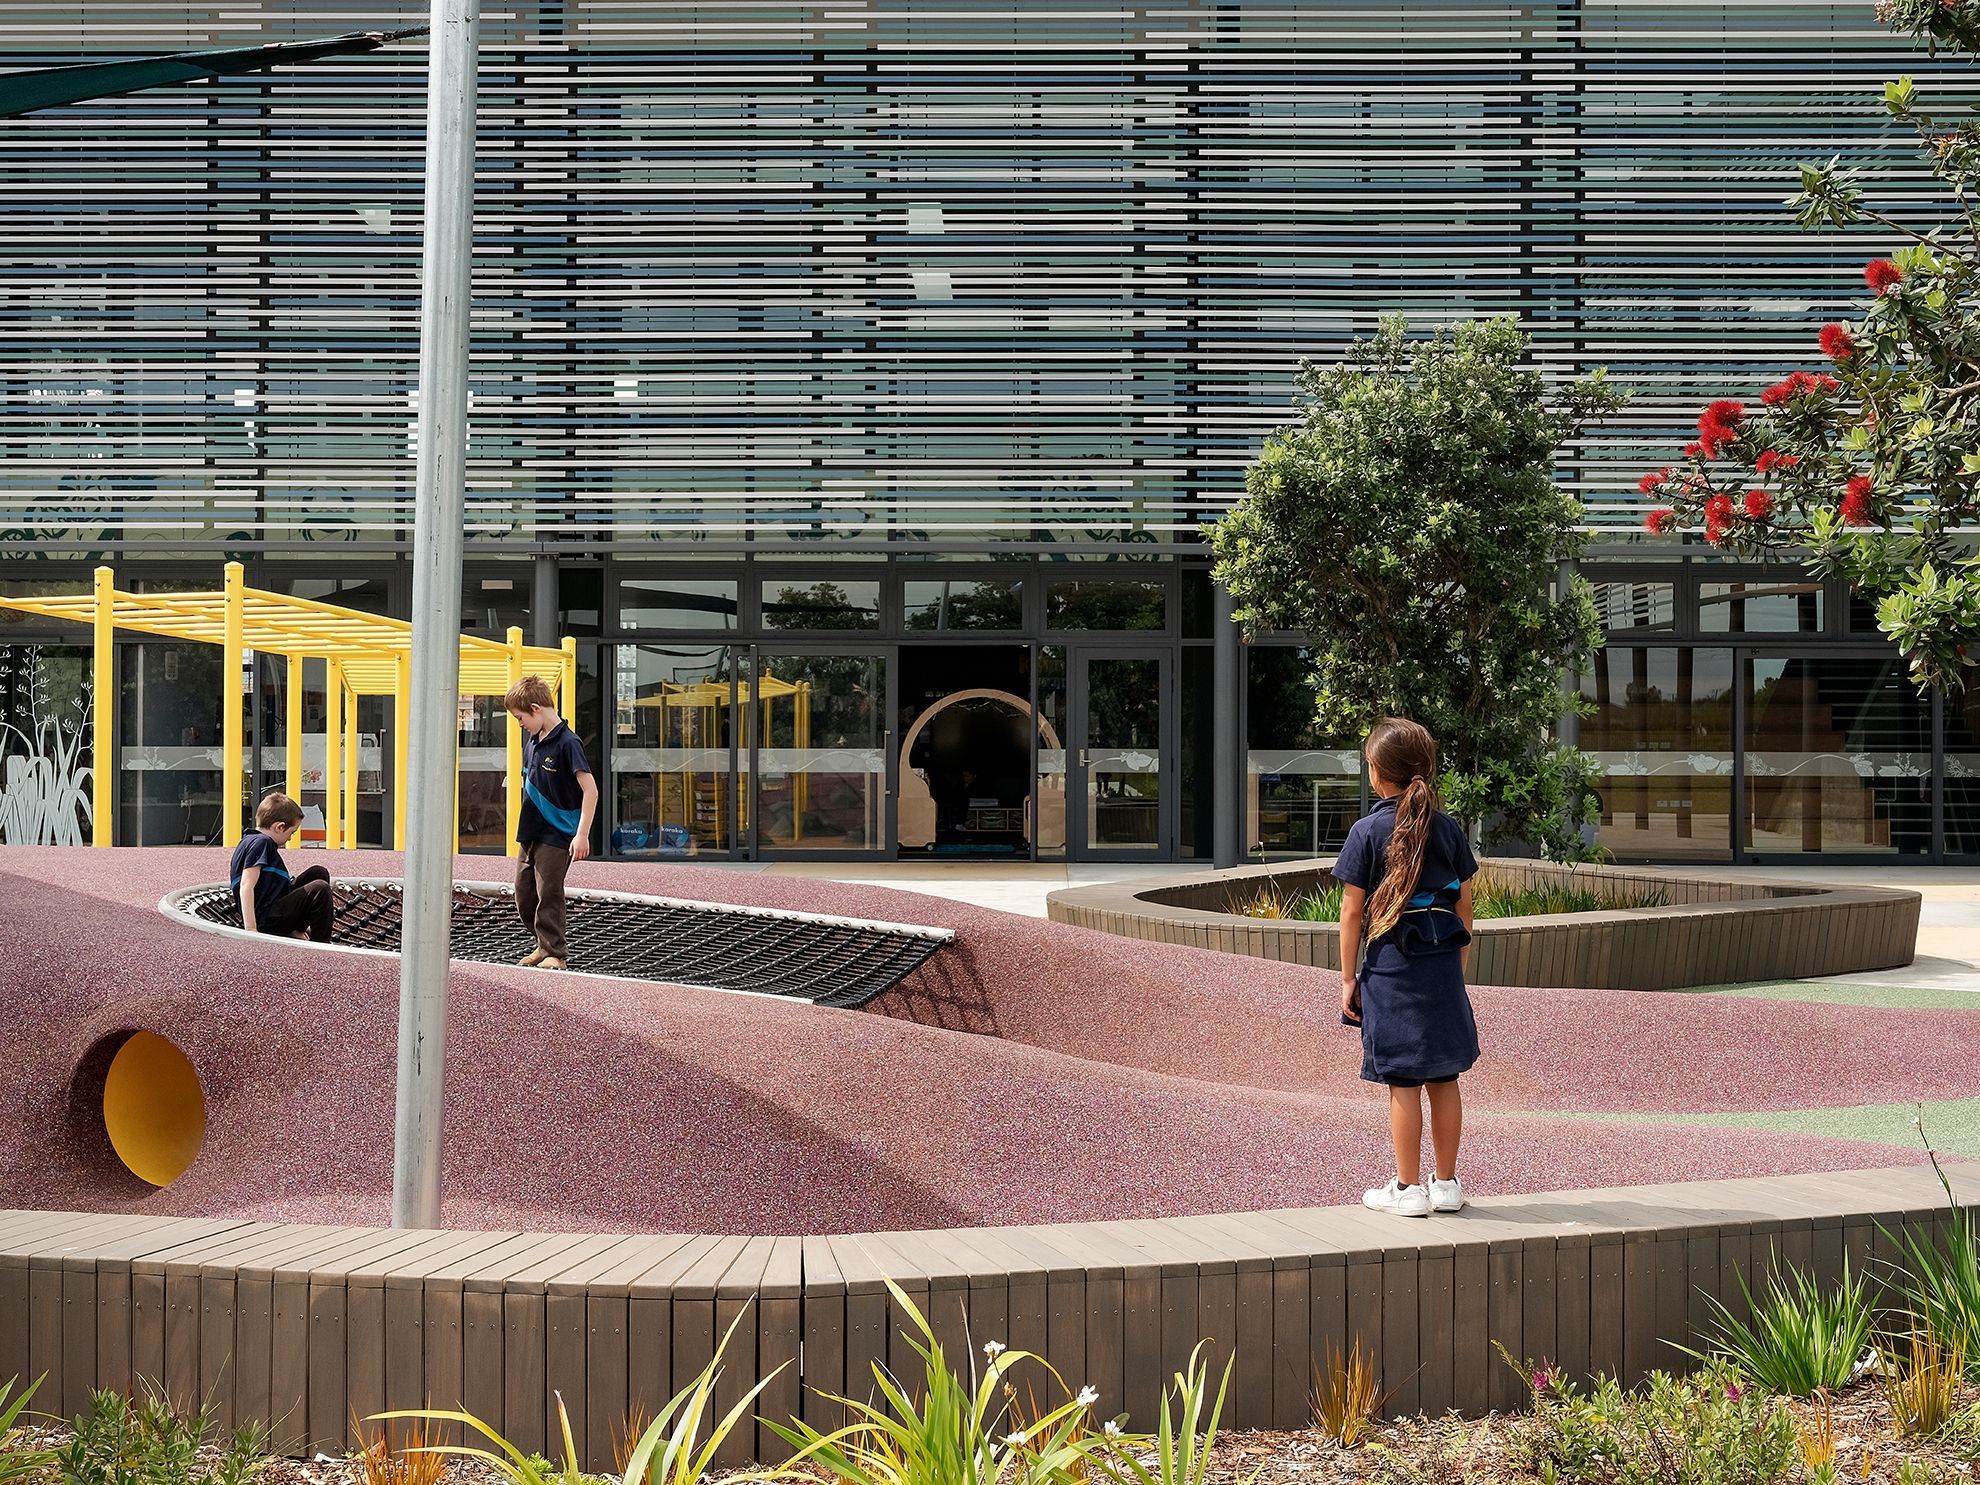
<point x="1121" y="787"/>
<point x="966" y="763"/>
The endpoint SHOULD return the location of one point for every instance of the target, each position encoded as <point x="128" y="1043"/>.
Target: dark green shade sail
<point x="47" y="87"/>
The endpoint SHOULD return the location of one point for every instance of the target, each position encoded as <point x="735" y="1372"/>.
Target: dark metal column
<point x="543" y="602"/>
<point x="1226" y="752"/>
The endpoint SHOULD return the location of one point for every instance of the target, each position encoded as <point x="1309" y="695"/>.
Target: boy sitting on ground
<point x="559" y="798"/>
<point x="269" y="899"/>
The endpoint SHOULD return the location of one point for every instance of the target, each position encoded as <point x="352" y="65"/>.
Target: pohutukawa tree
<point x="1870" y="466"/>
<point x="1410" y="526"/>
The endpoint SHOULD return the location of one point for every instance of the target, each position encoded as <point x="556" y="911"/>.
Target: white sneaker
<point x="1398" y="1200"/>
<point x="1446" y="1196"/>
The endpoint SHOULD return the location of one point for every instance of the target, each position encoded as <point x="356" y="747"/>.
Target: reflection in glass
<point x="1661" y="735"/>
<point x="1300" y="795"/>
<point x="1838" y="757"/>
<point x="1122" y="750"/>
<point x="1760" y="608"/>
<point x="168" y="735"/>
<point x="1107" y="603"/>
<point x="678" y="603"/>
<point x="1636" y="606"/>
<point x="1962" y="772"/>
<point x="964" y="604"/>
<point x="46" y="748"/>
<point x="1053" y="723"/>
<point x="674" y="713"/>
<point x="965" y="746"/>
<point x="790" y="603"/>
<point x="821" y="752"/>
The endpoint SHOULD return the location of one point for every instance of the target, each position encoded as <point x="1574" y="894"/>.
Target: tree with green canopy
<point x="1869" y="468"/>
<point x="1409" y="524"/>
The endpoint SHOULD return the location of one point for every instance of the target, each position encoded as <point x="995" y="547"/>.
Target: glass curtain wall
<point x="1300" y="797"/>
<point x="1662" y="737"/>
<point x="675" y="733"/>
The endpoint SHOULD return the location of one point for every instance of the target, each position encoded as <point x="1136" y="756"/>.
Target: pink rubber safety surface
<point x="1029" y="1073"/>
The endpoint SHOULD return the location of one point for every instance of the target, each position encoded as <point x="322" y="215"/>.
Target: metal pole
<point x="445" y="289"/>
<point x="1226" y="752"/>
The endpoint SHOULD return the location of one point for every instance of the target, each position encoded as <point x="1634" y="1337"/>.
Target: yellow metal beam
<point x="350" y="772"/>
<point x="230" y="706"/>
<point x="514" y="755"/>
<point x="333" y="754"/>
<point x="103" y="719"/>
<point x="292" y="725"/>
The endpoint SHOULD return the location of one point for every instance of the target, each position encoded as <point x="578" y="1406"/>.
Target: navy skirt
<point x="1416" y="1022"/>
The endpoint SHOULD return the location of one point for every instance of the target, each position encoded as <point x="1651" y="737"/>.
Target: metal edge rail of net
<point x="760" y="951"/>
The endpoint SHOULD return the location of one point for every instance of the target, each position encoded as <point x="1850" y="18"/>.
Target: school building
<point x="855" y="379"/>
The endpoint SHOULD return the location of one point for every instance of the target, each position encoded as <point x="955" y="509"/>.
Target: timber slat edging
<point x="300" y="1325"/>
<point x="1710" y="937"/>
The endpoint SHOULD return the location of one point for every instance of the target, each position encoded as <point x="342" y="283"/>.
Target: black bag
<point x="1421" y="932"/>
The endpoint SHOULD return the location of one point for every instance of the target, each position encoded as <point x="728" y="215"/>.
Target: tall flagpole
<point x="445" y="295"/>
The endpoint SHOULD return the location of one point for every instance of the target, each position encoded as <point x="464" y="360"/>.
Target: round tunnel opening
<point x="154" y="1110"/>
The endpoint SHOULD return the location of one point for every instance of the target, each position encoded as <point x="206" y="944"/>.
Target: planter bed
<point x="1711" y="930"/>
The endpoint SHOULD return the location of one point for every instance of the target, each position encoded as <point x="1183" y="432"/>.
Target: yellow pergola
<point x="366" y="656"/>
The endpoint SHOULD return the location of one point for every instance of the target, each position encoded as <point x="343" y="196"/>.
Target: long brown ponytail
<point x="1403" y="752"/>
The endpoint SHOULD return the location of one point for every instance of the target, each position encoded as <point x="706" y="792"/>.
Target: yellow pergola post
<point x="232" y="624"/>
<point x="103" y="711"/>
<point x="567" y="678"/>
<point x="513" y="739"/>
<point x="351" y="772"/>
<point x="401" y="739"/>
<point x="292" y="726"/>
<point x="333" y="754"/>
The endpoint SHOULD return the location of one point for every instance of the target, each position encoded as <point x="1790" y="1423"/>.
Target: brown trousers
<point x="540" y="871"/>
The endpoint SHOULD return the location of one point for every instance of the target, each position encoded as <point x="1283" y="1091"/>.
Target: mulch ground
<point x="1413" y="1451"/>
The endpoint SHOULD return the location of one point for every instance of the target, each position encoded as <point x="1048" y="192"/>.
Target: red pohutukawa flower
<point x="1718" y="425"/>
<point x="1799" y="384"/>
<point x="1774" y="459"/>
<point x="1856" y="501"/>
<point x="1693" y="449"/>
<point x="1882" y="274"/>
<point x="1719" y="507"/>
<point x="1837" y="343"/>
<point x="1653" y="479"/>
<point x="1659" y="521"/>
<point x="1759" y="505"/>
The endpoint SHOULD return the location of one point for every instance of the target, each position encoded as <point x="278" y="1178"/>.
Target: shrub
<point x="671" y="1450"/>
<point x="1921" y="1384"/>
<point x="405" y="1460"/>
<point x="1346" y="1394"/>
<point x="17" y="1460"/>
<point x="1179" y="1458"/>
<point x="1802" y="1339"/>
<point x="1704" y="1429"/>
<point x="1940" y="1283"/>
<point x="149" y="1441"/>
<point x="950" y="1430"/>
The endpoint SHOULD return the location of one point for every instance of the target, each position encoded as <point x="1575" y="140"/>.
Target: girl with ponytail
<point x="1405" y="873"/>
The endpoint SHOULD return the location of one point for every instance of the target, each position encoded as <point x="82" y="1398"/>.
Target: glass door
<point x="1120" y="786"/>
<point x="820" y="770"/>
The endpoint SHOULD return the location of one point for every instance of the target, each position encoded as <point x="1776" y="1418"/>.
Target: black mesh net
<point x="823" y="960"/>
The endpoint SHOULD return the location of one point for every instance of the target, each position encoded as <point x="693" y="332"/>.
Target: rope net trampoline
<point x="842" y="962"/>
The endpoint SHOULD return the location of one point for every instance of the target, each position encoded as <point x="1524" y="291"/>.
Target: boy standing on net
<point x="559" y="798"/>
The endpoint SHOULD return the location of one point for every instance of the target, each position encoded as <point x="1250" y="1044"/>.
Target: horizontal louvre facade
<point x="861" y="275"/>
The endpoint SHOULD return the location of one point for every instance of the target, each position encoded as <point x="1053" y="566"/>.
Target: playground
<point x="1024" y="1072"/>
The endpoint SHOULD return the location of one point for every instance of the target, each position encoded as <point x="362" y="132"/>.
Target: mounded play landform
<point x="1708" y="931"/>
<point x="1104" y="1148"/>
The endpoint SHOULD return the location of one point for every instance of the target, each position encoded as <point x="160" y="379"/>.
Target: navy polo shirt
<point x="553" y="804"/>
<point x="1447" y="859"/>
<point x="257" y="849"/>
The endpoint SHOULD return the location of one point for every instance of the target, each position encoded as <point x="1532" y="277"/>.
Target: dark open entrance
<point x="966" y="765"/>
